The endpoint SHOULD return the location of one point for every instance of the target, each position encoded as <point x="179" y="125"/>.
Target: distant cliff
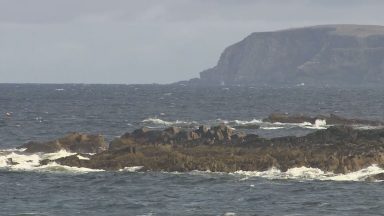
<point x="327" y="55"/>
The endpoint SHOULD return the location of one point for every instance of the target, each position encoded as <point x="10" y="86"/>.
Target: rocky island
<point x="326" y="55"/>
<point x="339" y="149"/>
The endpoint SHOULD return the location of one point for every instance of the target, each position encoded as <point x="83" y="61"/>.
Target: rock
<point x="203" y="130"/>
<point x="251" y="138"/>
<point x="140" y="132"/>
<point x="376" y="177"/>
<point x="186" y="136"/>
<point x="74" y="142"/>
<point x="335" y="119"/>
<point x="10" y="161"/>
<point x="221" y="133"/>
<point x="46" y="147"/>
<point x="145" y="135"/>
<point x="338" y="149"/>
<point x="238" y="138"/>
<point x="334" y="134"/>
<point x="172" y="131"/>
<point x="326" y="55"/>
<point x="121" y="143"/>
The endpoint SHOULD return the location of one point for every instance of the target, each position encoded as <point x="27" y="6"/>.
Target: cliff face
<point x="329" y="55"/>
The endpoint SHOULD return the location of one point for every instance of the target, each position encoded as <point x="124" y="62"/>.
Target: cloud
<point x="146" y="41"/>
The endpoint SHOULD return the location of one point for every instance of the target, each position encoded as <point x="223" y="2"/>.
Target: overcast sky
<point x="146" y="41"/>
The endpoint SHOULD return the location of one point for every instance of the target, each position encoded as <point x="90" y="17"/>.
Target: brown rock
<point x="74" y="142"/>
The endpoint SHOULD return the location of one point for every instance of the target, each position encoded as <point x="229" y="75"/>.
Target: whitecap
<point x="131" y="169"/>
<point x="55" y="167"/>
<point x="367" y="127"/>
<point x="82" y="158"/>
<point x="271" y="128"/>
<point x="21" y="161"/>
<point x="308" y="173"/>
<point x="319" y="124"/>
<point x="253" y="121"/>
<point x="161" y="122"/>
<point x="156" y="121"/>
<point x="56" y="155"/>
<point x="359" y="175"/>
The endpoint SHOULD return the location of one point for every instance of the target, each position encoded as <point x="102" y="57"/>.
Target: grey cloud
<point x="146" y="41"/>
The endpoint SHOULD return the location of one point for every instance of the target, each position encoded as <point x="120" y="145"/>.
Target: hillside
<point x="326" y="55"/>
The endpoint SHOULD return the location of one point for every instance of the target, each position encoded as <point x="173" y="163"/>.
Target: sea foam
<point x="20" y="161"/>
<point x="307" y="173"/>
<point x="161" y="122"/>
<point x="131" y="169"/>
<point x="319" y="124"/>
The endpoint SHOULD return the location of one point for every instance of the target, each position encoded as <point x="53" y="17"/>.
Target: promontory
<point x="325" y="55"/>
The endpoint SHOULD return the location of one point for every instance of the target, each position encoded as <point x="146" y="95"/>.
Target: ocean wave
<point x="54" y="167"/>
<point x="156" y="121"/>
<point x="161" y="122"/>
<point x="367" y="127"/>
<point x="131" y="169"/>
<point x="271" y="128"/>
<point x="319" y="124"/>
<point x="307" y="173"/>
<point x="21" y="161"/>
<point x="244" y="124"/>
<point x="82" y="157"/>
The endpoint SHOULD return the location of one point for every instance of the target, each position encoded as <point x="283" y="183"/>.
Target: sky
<point x="146" y="41"/>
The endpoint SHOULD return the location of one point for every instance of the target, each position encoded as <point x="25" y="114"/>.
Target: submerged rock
<point x="74" y="142"/>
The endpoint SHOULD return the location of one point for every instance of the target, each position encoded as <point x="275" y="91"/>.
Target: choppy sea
<point x="42" y="112"/>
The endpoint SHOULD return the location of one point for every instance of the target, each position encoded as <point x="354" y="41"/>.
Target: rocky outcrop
<point x="327" y="55"/>
<point x="340" y="149"/>
<point x="220" y="134"/>
<point x="331" y="119"/>
<point x="74" y="142"/>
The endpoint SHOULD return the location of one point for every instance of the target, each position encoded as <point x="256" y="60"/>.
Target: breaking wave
<point x="319" y="124"/>
<point x="271" y="128"/>
<point x="17" y="160"/>
<point x="238" y="124"/>
<point x="253" y="121"/>
<point x="305" y="173"/>
<point x="157" y="122"/>
<point x="131" y="169"/>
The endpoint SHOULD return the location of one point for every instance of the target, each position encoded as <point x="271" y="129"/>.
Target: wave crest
<point x="20" y="161"/>
<point x="307" y="173"/>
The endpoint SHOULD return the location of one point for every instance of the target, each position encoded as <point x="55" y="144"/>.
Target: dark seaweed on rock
<point x="339" y="149"/>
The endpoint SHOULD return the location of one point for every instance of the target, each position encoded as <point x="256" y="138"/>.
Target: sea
<point x="42" y="112"/>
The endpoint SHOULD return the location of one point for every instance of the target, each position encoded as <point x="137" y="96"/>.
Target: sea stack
<point x="326" y="55"/>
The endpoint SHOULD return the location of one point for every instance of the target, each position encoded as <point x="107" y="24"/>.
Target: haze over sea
<point x="47" y="111"/>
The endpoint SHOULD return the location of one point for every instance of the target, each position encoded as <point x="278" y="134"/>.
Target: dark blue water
<point x="43" y="112"/>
